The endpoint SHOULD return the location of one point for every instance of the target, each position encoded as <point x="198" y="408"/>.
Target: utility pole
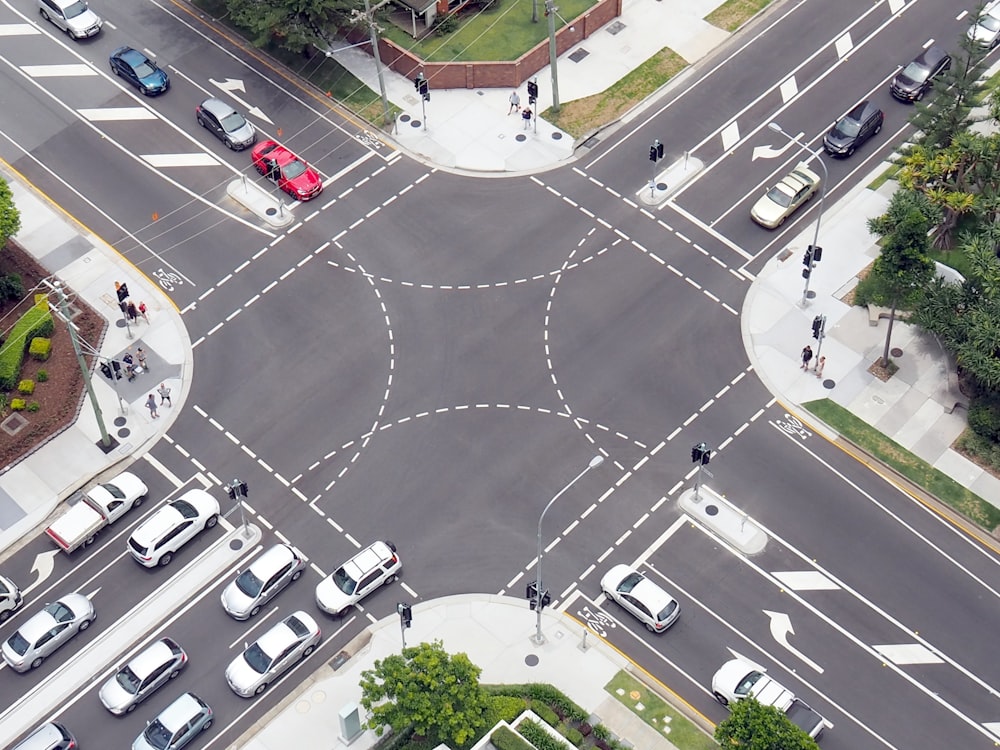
<point x="372" y="33"/>
<point x="106" y="443"/>
<point x="550" y="11"/>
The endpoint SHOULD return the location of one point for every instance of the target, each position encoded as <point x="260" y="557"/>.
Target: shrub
<point x="27" y="387"/>
<point x="17" y="404"/>
<point x="984" y="417"/>
<point x="573" y="735"/>
<point x="40" y="348"/>
<point x="42" y="376"/>
<point x="538" y="737"/>
<point x="11" y="287"/>
<point x="444" y="25"/>
<point x="503" y="708"/>
<point x="545" y="713"/>
<point x="35" y="322"/>
<point x="585" y="729"/>
<point x="504" y="739"/>
<point x="34" y="406"/>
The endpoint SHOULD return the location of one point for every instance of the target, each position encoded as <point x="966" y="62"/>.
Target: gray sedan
<point x="47" y="630"/>
<point x="273" y="654"/>
<point x="145" y="673"/>
<point x="264" y="579"/>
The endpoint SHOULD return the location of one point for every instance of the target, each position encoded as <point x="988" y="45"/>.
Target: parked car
<point x="144" y="674"/>
<point x="72" y="16"/>
<point x="374" y="566"/>
<point x="781" y="201"/>
<point x="641" y="598"/>
<point x="265" y="578"/>
<point x="985" y="30"/>
<point x="50" y="736"/>
<point x="226" y="124"/>
<point x="139" y="70"/>
<point x="281" y="647"/>
<point x="853" y="129"/>
<point x="286" y="170"/>
<point x="100" y="506"/>
<point x="157" y="538"/>
<point x="177" y="725"/>
<point x="10" y="598"/>
<point x="914" y="80"/>
<point x="44" y="632"/>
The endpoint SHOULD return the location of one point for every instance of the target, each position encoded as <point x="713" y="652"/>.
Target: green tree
<point x="424" y="687"/>
<point x="753" y="726"/>
<point x="10" y="217"/>
<point x="948" y="113"/>
<point x="292" y="24"/>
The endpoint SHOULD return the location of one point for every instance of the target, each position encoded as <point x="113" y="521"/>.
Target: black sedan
<point x="139" y="70"/>
<point x="853" y="129"/>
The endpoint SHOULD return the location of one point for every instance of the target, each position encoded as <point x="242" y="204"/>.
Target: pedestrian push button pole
<point x="238" y="490"/>
<point x="701" y="454"/>
<point x="405" y="612"/>
<point x="422" y="87"/>
<point x="655" y="154"/>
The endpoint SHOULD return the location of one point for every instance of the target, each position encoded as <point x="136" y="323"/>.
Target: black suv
<point x="913" y="81"/>
<point x="853" y="129"/>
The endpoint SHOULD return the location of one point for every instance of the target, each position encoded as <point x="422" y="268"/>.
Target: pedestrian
<point x="151" y="405"/>
<point x="164" y="395"/>
<point x="515" y="102"/>
<point x="142" y="311"/>
<point x="526" y="117"/>
<point x="133" y="311"/>
<point x="141" y="356"/>
<point x="820" y="364"/>
<point x="807" y="355"/>
<point x="129" y="366"/>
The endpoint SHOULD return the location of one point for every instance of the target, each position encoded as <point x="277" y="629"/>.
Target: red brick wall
<point x="472" y="75"/>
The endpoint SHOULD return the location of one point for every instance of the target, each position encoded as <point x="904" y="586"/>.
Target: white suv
<point x="156" y="540"/>
<point x="372" y="567"/>
<point x="72" y="16"/>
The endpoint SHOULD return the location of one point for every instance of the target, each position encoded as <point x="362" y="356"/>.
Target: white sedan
<point x="780" y="202"/>
<point x="642" y="598"/>
<point x="280" y="648"/>
<point x="46" y="631"/>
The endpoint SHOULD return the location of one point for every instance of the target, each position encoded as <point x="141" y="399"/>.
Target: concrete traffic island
<point x="670" y="180"/>
<point x="726" y="520"/>
<point x="264" y="205"/>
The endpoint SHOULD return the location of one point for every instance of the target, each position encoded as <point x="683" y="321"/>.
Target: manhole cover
<point x="557" y="136"/>
<point x="121" y="323"/>
<point x="415" y="123"/>
<point x="339" y="660"/>
<point x="271" y="211"/>
<point x="615" y="27"/>
<point x="531" y="660"/>
<point x="119" y="421"/>
<point x="235" y="544"/>
<point x="896" y="352"/>
<point x="578" y="55"/>
<point x="828" y="384"/>
<point x="520" y="137"/>
<point x="13" y="424"/>
<point x="404" y="118"/>
<point x="661" y="186"/>
<point x="124" y="432"/>
<point x="711" y="510"/>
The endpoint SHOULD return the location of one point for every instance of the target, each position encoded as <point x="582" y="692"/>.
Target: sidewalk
<point x="495" y="632"/>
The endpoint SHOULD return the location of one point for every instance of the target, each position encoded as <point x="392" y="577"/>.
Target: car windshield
<point x="747" y="683"/>
<point x="294" y="168"/>
<point x="18" y="643"/>
<point x="143" y="69"/>
<point x="185" y="508"/>
<point x="848" y="127"/>
<point x="157" y="735"/>
<point x="127" y="679"/>
<point x="259" y="661"/>
<point x="233" y="121"/>
<point x="779" y="196"/>
<point x="248" y="583"/>
<point x="629" y="582"/>
<point x="916" y="72"/>
<point x="59" y="611"/>
<point x="344" y="582"/>
<point x="990" y="23"/>
<point x="114" y="491"/>
<point x="75" y="10"/>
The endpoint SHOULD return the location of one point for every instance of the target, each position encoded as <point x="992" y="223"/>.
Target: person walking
<point x="820" y="364"/>
<point x="164" y="395"/>
<point x="515" y="102"/>
<point x="141" y="356"/>
<point x="142" y="312"/>
<point x="129" y="366"/>
<point x="807" y="355"/>
<point x="151" y="405"/>
<point x="526" y="117"/>
<point x="132" y="310"/>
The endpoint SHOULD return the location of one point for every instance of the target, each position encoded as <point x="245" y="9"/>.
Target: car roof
<point x="931" y="56"/>
<point x="131" y="56"/>
<point x="152" y="657"/>
<point x="157" y="525"/>
<point x="862" y="111"/>
<point x="367" y="560"/>
<point x="217" y="107"/>
<point x="34" y="626"/>
<point x="272" y="559"/>
<point x="180" y="712"/>
<point x="650" y="594"/>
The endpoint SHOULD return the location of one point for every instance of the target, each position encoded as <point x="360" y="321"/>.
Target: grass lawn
<point x="734" y="13"/>
<point x="922" y="474"/>
<point x="658" y="713"/>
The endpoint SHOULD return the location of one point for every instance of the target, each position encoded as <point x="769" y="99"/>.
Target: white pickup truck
<point x="100" y="506"/>
<point x="736" y="679"/>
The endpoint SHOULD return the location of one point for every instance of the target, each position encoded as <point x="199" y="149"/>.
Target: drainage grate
<point x="13" y="424"/>
<point x="578" y="55"/>
<point x="615" y="27"/>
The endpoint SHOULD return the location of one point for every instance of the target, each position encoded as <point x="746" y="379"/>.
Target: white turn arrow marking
<point x="42" y="567"/>
<point x="781" y="628"/>
<point x="235" y="84"/>
<point x="94" y="593"/>
<point x="770" y="152"/>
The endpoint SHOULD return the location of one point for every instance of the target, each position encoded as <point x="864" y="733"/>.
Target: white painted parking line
<point x="908" y="653"/>
<point x="805" y="580"/>
<point x="108" y="114"/>
<point x="18" y="29"/>
<point x="55" y="71"/>
<point x="171" y="477"/>
<point x="180" y="160"/>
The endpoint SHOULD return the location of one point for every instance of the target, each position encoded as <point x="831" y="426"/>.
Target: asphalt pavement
<point x="471" y="131"/>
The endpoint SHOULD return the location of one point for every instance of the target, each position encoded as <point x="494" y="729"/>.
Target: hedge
<point x="538" y="737"/>
<point x="504" y="739"/>
<point x="35" y="322"/>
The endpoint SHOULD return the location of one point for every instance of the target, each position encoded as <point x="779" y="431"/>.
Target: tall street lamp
<point x="822" y="194"/>
<point x="539" y="639"/>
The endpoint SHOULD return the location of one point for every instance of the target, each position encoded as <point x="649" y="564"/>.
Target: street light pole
<point x="822" y="194"/>
<point x="539" y="639"/>
<point x="550" y="11"/>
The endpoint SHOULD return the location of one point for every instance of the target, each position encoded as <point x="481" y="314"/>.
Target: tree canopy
<point x="293" y="24"/>
<point x="10" y="217"/>
<point x="753" y="726"/>
<point x="425" y="687"/>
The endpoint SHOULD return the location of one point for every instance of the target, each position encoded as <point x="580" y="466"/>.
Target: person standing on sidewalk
<point x="526" y="117"/>
<point x="515" y="102"/>
<point x="164" y="395"/>
<point x="151" y="405"/>
<point x="142" y="312"/>
<point x="820" y="364"/>
<point x="807" y="355"/>
<point x="141" y="356"/>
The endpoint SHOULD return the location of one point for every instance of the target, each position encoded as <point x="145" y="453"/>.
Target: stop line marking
<point x="108" y="114"/>
<point x="55" y="71"/>
<point x="180" y="160"/>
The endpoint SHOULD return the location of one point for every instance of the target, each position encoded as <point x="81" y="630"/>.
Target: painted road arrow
<point x="42" y="568"/>
<point x="235" y="84"/>
<point x="781" y="628"/>
<point x="769" y="151"/>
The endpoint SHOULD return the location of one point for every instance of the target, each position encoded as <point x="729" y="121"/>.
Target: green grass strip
<point x="657" y="713"/>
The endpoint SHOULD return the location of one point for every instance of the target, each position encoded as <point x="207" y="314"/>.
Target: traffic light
<point x="231" y="491"/>
<point x="807" y="259"/>
<point x="532" y="92"/>
<point x="405" y="614"/>
<point x="421" y="86"/>
<point x="243" y="489"/>
<point x="656" y="151"/>
<point x="122" y="291"/>
<point x="546" y="599"/>
<point x="706" y="456"/>
<point x="817" y="253"/>
<point x="697" y="452"/>
<point x="817" y="326"/>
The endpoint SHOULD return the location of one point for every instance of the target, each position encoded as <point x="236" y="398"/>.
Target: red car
<point x="288" y="171"/>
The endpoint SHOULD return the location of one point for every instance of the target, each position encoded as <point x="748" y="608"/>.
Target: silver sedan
<point x="265" y="578"/>
<point x="280" y="648"/>
<point x="145" y="673"/>
<point x="47" y="630"/>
